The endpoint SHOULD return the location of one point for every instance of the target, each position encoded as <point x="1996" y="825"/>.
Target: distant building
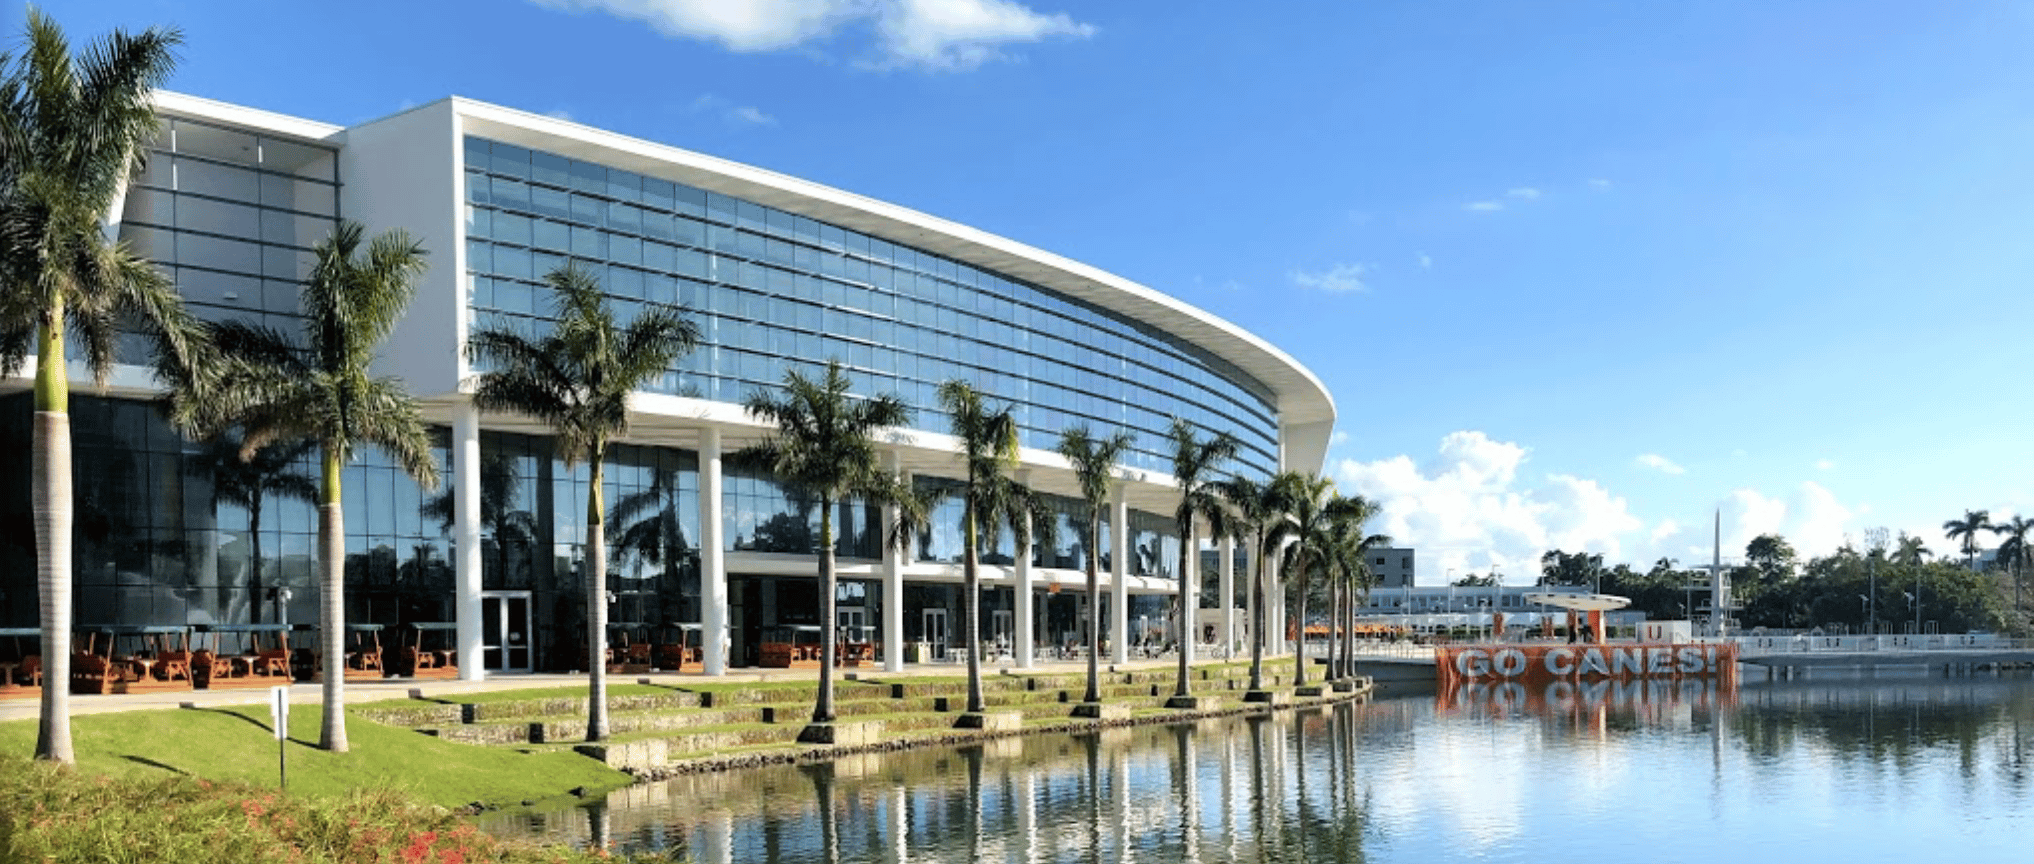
<point x="1392" y="566"/>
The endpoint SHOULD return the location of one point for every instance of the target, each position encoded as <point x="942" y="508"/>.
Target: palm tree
<point x="1259" y="519"/>
<point x="1966" y="529"/>
<point x="577" y="380"/>
<point x="824" y="448"/>
<point x="990" y="499"/>
<point x="248" y="483"/>
<point x="1348" y="547"/>
<point x="1193" y="468"/>
<point x="1315" y="508"/>
<point x="1911" y="551"/>
<point x="2014" y="551"/>
<point x="72" y="129"/>
<point x="277" y="390"/>
<point x="1094" y="464"/>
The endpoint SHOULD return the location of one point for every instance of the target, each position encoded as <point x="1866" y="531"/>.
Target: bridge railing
<point x="1754" y="646"/>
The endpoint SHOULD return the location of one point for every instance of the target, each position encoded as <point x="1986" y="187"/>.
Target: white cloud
<point x="1338" y="278"/>
<point x="736" y="115"/>
<point x="1468" y="509"/>
<point x="741" y="25"/>
<point x="963" y="34"/>
<point x="1660" y="463"/>
<point x="1426" y="261"/>
<point x="1527" y="193"/>
<point x="1483" y="206"/>
<point x="1598" y="183"/>
<point x="1824" y="464"/>
<point x="1475" y="505"/>
<point x="559" y="114"/>
<point x="932" y="34"/>
<point x="1338" y="438"/>
<point x="753" y="116"/>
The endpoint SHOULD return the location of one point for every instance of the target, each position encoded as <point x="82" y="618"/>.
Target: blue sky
<point x="1578" y="274"/>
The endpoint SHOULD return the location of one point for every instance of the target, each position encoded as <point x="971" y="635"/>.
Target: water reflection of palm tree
<point x="248" y="483"/>
<point x="1091" y="748"/>
<point x="1261" y="823"/>
<point x="1184" y="782"/>
<point x="822" y="776"/>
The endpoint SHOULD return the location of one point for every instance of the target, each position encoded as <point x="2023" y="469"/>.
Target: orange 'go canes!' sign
<point x="1554" y="662"/>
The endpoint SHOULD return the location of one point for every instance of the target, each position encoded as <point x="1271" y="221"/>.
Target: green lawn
<point x="237" y="744"/>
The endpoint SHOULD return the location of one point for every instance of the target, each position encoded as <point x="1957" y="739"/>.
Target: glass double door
<point x="505" y="631"/>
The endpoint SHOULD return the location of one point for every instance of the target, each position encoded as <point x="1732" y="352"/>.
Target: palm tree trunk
<point x="1094" y="562"/>
<point x="971" y="610"/>
<point x="596" y="608"/>
<point x="1189" y="601"/>
<point x="822" y="708"/>
<point x="332" y="608"/>
<point x="51" y="479"/>
<point x="53" y="516"/>
<point x="1335" y="632"/>
<point x="1299" y="619"/>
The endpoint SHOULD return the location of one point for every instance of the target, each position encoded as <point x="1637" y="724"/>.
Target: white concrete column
<point x="713" y="636"/>
<point x="1226" y="589"/>
<point x="1119" y="574"/>
<point x="466" y="540"/>
<point x="894" y="560"/>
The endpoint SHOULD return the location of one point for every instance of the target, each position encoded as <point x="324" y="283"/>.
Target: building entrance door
<point x="935" y="632"/>
<point x="505" y="631"/>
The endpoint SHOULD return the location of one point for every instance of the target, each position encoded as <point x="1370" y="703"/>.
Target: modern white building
<point x="779" y="273"/>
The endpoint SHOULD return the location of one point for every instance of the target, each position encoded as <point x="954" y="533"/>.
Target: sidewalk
<point x="400" y="688"/>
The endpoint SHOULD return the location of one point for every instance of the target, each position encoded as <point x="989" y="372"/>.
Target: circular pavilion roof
<point x="1582" y="602"/>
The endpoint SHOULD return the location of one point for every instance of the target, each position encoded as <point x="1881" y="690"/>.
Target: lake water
<point x="1840" y="769"/>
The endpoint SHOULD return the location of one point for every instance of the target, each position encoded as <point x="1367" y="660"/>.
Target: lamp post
<point x="1875" y="542"/>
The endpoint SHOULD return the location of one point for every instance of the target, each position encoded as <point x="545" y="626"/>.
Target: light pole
<point x="1875" y="542"/>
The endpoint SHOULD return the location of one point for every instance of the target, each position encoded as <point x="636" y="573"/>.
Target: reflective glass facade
<point x="231" y="216"/>
<point x="772" y="290"/>
<point x="171" y="531"/>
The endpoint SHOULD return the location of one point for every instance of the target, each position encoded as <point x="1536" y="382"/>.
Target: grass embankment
<point x="59" y="816"/>
<point x="237" y="744"/>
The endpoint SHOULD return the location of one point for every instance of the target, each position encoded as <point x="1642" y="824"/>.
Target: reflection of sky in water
<point x="1840" y="770"/>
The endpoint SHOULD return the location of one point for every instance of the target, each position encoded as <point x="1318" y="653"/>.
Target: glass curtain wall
<point x="772" y="290"/>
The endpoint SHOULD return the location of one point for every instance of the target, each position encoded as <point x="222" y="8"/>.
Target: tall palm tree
<point x="2014" y="551"/>
<point x="1314" y="508"/>
<point x="1094" y="464"/>
<point x="248" y="483"/>
<point x="1348" y="547"/>
<point x="1966" y="530"/>
<point x="1193" y="469"/>
<point x="1911" y="551"/>
<point x="73" y="128"/>
<point x="319" y="389"/>
<point x="990" y="499"/>
<point x="1259" y="520"/>
<point x="824" y="448"/>
<point x="577" y="380"/>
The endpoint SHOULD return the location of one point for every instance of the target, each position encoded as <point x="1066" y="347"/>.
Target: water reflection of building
<point x="780" y="274"/>
<point x="1223" y="791"/>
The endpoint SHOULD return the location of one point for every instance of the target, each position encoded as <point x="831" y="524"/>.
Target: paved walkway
<point x="401" y="688"/>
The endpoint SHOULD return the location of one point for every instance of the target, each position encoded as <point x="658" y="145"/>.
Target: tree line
<point x="1882" y="588"/>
